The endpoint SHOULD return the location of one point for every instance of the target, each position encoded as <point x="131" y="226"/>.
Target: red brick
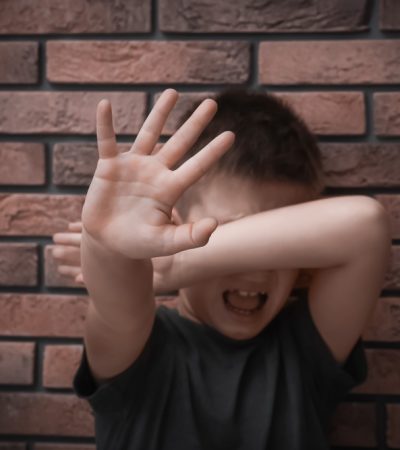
<point x="393" y="425"/>
<point x="74" y="163"/>
<point x="60" y="364"/>
<point x="353" y="424"/>
<point x="74" y="16"/>
<point x="392" y="205"/>
<point x="383" y="373"/>
<point x="135" y="62"/>
<point x="12" y="446"/>
<point x="387" y="113"/>
<point x="38" y="214"/>
<point x="361" y="164"/>
<point x="237" y="16"/>
<point x="60" y="414"/>
<point x="18" y="264"/>
<point x="389" y="16"/>
<point x="53" y="446"/>
<point x="330" y="113"/>
<point x="69" y="112"/>
<point x="42" y="315"/>
<point x="16" y="362"/>
<point x="22" y="163"/>
<point x="392" y="278"/>
<point x="385" y="322"/>
<point x="330" y="62"/>
<point x="19" y="62"/>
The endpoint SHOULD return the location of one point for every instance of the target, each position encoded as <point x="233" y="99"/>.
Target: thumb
<point x="192" y="235"/>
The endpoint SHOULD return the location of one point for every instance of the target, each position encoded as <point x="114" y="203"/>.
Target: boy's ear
<point x="176" y="217"/>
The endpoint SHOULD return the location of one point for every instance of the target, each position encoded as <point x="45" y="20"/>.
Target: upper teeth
<point x="249" y="294"/>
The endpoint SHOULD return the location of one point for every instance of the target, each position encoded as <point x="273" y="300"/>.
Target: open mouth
<point x="244" y="303"/>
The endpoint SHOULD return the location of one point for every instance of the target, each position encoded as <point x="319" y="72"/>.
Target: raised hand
<point x="129" y="201"/>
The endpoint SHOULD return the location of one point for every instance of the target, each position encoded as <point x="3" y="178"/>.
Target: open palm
<point x="129" y="202"/>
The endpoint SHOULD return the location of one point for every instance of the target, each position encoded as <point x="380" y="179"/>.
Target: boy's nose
<point x="254" y="277"/>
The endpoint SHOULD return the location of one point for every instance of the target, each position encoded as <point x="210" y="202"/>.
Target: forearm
<point x="118" y="286"/>
<point x="317" y="234"/>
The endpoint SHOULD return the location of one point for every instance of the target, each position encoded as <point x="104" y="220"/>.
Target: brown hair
<point x="272" y="142"/>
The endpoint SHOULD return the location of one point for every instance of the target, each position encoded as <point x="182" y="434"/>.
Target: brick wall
<point x="337" y="62"/>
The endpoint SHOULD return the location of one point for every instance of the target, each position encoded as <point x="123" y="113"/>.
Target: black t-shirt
<point x="193" y="388"/>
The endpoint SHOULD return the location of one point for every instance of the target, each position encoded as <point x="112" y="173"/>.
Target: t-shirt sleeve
<point x="112" y="396"/>
<point x="332" y="380"/>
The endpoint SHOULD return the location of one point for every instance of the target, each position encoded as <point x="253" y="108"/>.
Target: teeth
<point x="249" y="294"/>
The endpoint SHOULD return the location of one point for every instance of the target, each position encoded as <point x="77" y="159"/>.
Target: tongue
<point x="243" y="302"/>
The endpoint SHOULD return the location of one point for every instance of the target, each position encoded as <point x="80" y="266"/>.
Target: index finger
<point x="67" y="238"/>
<point x="106" y="142"/>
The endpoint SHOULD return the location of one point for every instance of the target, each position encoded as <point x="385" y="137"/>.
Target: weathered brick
<point x="18" y="62"/>
<point x="392" y="277"/>
<point x="60" y="414"/>
<point x="389" y="16"/>
<point x="383" y="372"/>
<point x="38" y="214"/>
<point x="392" y="205"/>
<point x="12" y="446"/>
<point x="361" y="164"/>
<point x="18" y="264"/>
<point x="387" y="113"/>
<point x="69" y="112"/>
<point x="22" y="163"/>
<point x="60" y="364"/>
<point x="329" y="113"/>
<point x="353" y="424"/>
<point x="237" y="16"/>
<point x="385" y="322"/>
<point x="330" y="62"/>
<point x="42" y="315"/>
<point x="135" y="62"/>
<point x="52" y="277"/>
<point x="16" y="362"/>
<point x="74" y="163"/>
<point x="52" y="446"/>
<point x="393" y="425"/>
<point x="74" y="16"/>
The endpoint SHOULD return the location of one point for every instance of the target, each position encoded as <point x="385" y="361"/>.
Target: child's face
<point x="228" y="198"/>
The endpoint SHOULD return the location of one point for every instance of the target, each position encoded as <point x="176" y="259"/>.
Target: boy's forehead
<point x="230" y="197"/>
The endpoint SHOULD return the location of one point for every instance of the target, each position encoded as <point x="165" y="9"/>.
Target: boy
<point x="235" y="365"/>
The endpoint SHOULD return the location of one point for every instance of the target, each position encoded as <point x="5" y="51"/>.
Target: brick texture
<point x="389" y="16"/>
<point x="22" y="163"/>
<point x="60" y="364"/>
<point x="353" y="424"/>
<point x="42" y="315"/>
<point x="253" y="16"/>
<point x="393" y="428"/>
<point x="67" y="112"/>
<point x="16" y="362"/>
<point x="18" y="264"/>
<point x="18" y="62"/>
<point x="383" y="373"/>
<point x="60" y="414"/>
<point x="330" y="62"/>
<point x="38" y="214"/>
<point x="387" y="113"/>
<point x="74" y="16"/>
<point x="385" y="322"/>
<point x="123" y="62"/>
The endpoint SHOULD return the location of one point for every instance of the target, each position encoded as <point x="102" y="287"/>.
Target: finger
<point x="79" y="278"/>
<point x="195" y="167"/>
<point x="68" y="238"/>
<point x="189" y="235"/>
<point x="71" y="255"/>
<point x="151" y="129"/>
<point x="188" y="133"/>
<point x="69" y="271"/>
<point x="106" y="141"/>
<point x="75" y="226"/>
